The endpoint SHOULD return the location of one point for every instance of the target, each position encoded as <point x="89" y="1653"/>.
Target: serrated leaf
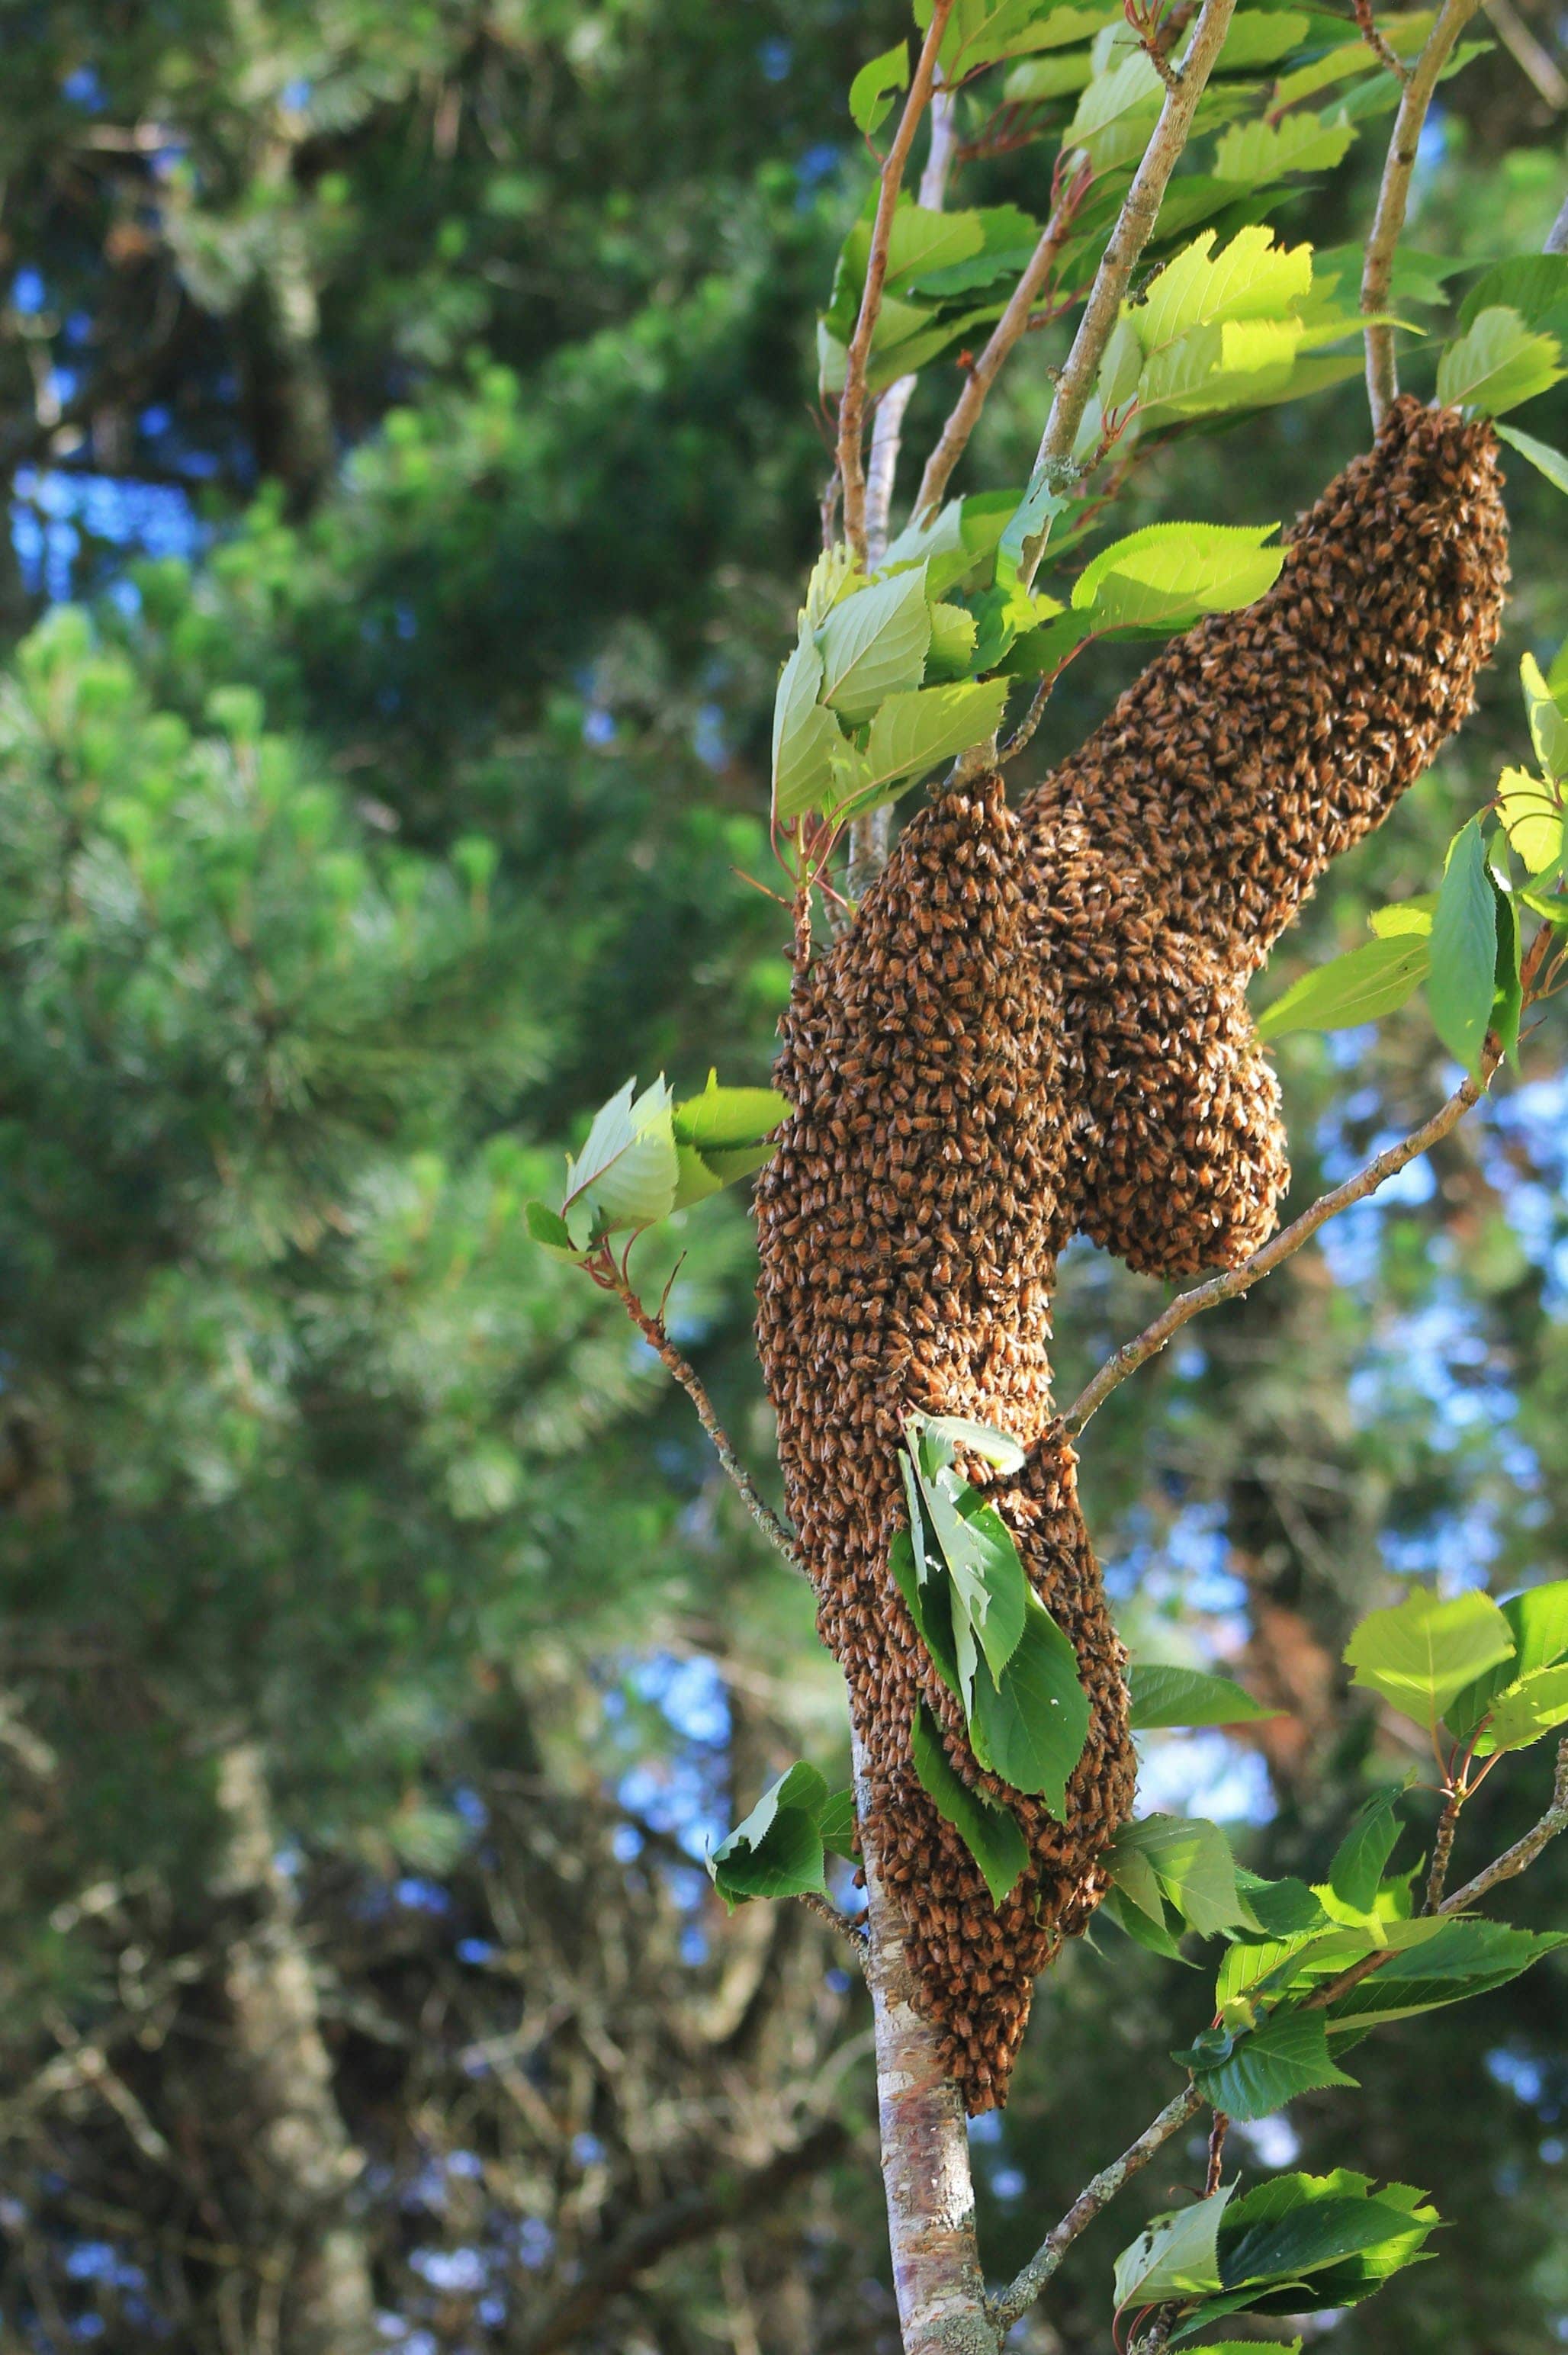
<point x="955" y="543"/>
<point x="1192" y="1863"/>
<point x="1174" y="2255"/>
<point x="1038" y="79"/>
<point x="626" y="1173"/>
<point x="1498" y="364"/>
<point x="1168" y="573"/>
<point x="874" y="645"/>
<point x="1281" y="1909"/>
<point x="1363" y="1853"/>
<point x="1287" y="2056"/>
<point x="1462" y="983"/>
<point x="1258" y="152"/>
<point x="1162" y="1696"/>
<point x="1233" y="364"/>
<point x="1298" y="2225"/>
<point x="1420" y="1655"/>
<point x="952" y="633"/>
<point x="1350" y="989"/>
<point x="777" y="1850"/>
<point x="806" y="739"/>
<point x="1130" y="89"/>
<point x="1547" y="726"/>
<point x="1256" y="38"/>
<point x="991" y="1834"/>
<point x="914" y="731"/>
<point x="837" y="1824"/>
<point x="1546" y="461"/>
<point x="1030" y="1725"/>
<point x="875" y="87"/>
<point x="1468" y="1957"/>
<point x="1251" y="278"/>
<point x="1133" y="1923"/>
<point x="1522" y="1712"/>
<point x="1404" y="919"/>
<point x="978" y="1550"/>
<point x="728" y="1118"/>
<point x="1533" y="284"/>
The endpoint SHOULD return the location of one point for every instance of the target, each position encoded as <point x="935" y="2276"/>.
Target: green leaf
<point x="990" y="1833"/>
<point x="953" y="635"/>
<point x="1404" y="917"/>
<point x="874" y="645"/>
<point x="989" y="1586"/>
<point x="1030" y="1725"/>
<point x="1133" y="1923"/>
<point x="916" y="730"/>
<point x="874" y="88"/>
<point x="549" y="1231"/>
<point x="1533" y="284"/>
<point x="929" y="1601"/>
<point x="1418" y="1655"/>
<point x="1356" y="1870"/>
<point x="1165" y="575"/>
<point x="1522" y="1712"/>
<point x="1508" y="989"/>
<point x="1256" y="38"/>
<point x="1305" y="2238"/>
<point x="1540" y="454"/>
<point x="1463" y="980"/>
<point x="1164" y="1696"/>
<point x="1258" y="152"/>
<point x="1192" y="1861"/>
<point x="837" y="1826"/>
<point x="1249" y="279"/>
<point x="1113" y="103"/>
<point x="1464" y="1958"/>
<point x="806" y="739"/>
<point x="777" y="1850"/>
<point x="626" y="1173"/>
<point x="1287" y="2056"/>
<point x="997" y="1448"/>
<point x="1531" y="815"/>
<point x="1174" y="2255"/>
<point x="1278" y="2237"/>
<point x="1498" y="364"/>
<point x="955" y="543"/>
<point x="1234" y="364"/>
<point x="1282" y="1909"/>
<point x="723" y="1134"/>
<point x="1356" y="987"/>
<point x="1548" y="725"/>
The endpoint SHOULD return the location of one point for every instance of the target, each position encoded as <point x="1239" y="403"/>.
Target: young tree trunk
<point x="925" y="2146"/>
<point x="305" y="2162"/>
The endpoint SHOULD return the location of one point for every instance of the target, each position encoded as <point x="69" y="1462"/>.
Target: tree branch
<point x="1021" y="2293"/>
<point x="852" y="401"/>
<point x="965" y="412"/>
<point x="1281" y="1247"/>
<point x="690" y="2216"/>
<point x="653" y="1330"/>
<point x="825" y="1910"/>
<point x="1140" y="210"/>
<point x="1393" y="196"/>
<point x="1523" y="1853"/>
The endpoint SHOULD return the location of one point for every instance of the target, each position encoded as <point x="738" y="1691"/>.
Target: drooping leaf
<point x="1420" y="1655"/>
<point x="875" y="87"/>
<point x="626" y="1173"/>
<point x="777" y="1850"/>
<point x="1152" y="1935"/>
<point x="955" y="543"/>
<point x="994" y="1447"/>
<point x="929" y="1601"/>
<point x="916" y="730"/>
<point x="1168" y="574"/>
<point x="1546" y="461"/>
<point x="806" y="739"/>
<point x="873" y="644"/>
<point x="978" y="1550"/>
<point x="1547" y="723"/>
<point x="1357" y="987"/>
<point x="723" y="1134"/>
<point x="1523" y="1712"/>
<point x="1276" y="2239"/>
<point x="1307" y="2237"/>
<point x="1463" y="980"/>
<point x="1281" y="1909"/>
<point x="991" y="1834"/>
<point x="1286" y="2056"/>
<point x="1498" y="364"/>
<point x="1128" y="95"/>
<point x="1163" y="1696"/>
<point x="1362" y="1855"/>
<point x="1034" y="1720"/>
<point x="1174" y="2255"/>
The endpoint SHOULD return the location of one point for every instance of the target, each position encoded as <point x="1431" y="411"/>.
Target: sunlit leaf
<point x="875" y="87"/>
<point x="1464" y="944"/>
<point x="1163" y="1696"/>
<point x="873" y="644"/>
<point x="1287" y="2056"/>
<point x="1498" y="364"/>
<point x="1420" y="1655"/>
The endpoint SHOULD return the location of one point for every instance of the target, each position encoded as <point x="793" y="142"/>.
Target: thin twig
<point x="1009" y="327"/>
<point x="1217" y="2134"/>
<point x="1523" y="1853"/>
<point x="1022" y="2291"/>
<point x="852" y="401"/>
<point x="1442" y="1851"/>
<point x="1281" y="1247"/>
<point x="1134" y="225"/>
<point x="825" y="1910"/>
<point x="654" y="1333"/>
<point x="1366" y="27"/>
<point x="1393" y="196"/>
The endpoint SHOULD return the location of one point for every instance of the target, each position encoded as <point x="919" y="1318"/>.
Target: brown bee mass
<point x="1036" y="1027"/>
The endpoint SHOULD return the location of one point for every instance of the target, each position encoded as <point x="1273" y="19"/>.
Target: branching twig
<point x="1021" y="2293"/>
<point x="1007" y="332"/>
<point x="1289" y="1240"/>
<point x="888" y="427"/>
<point x="1377" y="278"/>
<point x="1442" y="1851"/>
<point x="825" y="1910"/>
<point x="1366" y="25"/>
<point x="654" y="1333"/>
<point x="1140" y="210"/>
<point x="852" y="401"/>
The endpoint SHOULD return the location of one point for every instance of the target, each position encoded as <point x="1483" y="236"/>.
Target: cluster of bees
<point x="1035" y="1028"/>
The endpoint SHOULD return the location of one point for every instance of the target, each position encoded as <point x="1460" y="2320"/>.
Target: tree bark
<point x="929" y="2191"/>
<point x="305" y="2161"/>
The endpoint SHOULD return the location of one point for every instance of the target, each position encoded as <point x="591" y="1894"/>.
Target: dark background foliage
<point x="409" y="419"/>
